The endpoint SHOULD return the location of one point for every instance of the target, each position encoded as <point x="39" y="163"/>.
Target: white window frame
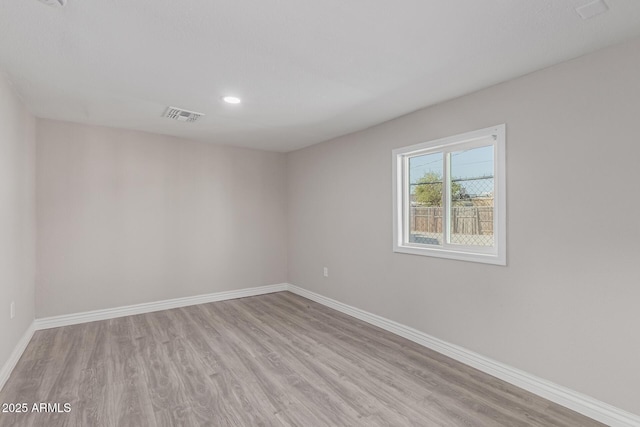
<point x="497" y="254"/>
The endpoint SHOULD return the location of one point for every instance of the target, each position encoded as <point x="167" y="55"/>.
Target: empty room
<point x="319" y="213"/>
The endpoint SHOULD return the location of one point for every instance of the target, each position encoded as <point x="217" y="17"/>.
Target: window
<point x="449" y="197"/>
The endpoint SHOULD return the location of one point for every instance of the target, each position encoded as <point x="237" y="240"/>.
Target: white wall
<point x="128" y="217"/>
<point x="566" y="306"/>
<point x="17" y="218"/>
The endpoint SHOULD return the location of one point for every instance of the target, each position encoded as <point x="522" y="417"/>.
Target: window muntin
<point x="449" y="197"/>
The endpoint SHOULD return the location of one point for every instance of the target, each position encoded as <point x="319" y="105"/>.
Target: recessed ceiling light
<point x="231" y="99"/>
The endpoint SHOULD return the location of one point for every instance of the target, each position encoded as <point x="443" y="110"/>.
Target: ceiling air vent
<point x="182" y="115"/>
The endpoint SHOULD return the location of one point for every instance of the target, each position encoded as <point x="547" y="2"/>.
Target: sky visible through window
<point x="472" y="163"/>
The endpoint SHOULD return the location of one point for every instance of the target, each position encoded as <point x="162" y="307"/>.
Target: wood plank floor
<point x="276" y="359"/>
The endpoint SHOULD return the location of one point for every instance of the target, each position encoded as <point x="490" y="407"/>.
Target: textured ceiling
<point x="307" y="70"/>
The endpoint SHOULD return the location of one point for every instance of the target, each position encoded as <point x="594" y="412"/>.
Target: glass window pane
<point x="472" y="188"/>
<point x="425" y="203"/>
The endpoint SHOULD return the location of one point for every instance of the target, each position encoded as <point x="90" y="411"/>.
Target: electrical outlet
<point x="326" y="272"/>
<point x="12" y="309"/>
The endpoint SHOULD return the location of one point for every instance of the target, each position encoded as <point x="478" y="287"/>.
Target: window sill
<point x="488" y="258"/>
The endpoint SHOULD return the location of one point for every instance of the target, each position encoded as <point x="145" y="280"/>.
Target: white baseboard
<point x="112" y="313"/>
<point x="571" y="399"/>
<point x="6" y="370"/>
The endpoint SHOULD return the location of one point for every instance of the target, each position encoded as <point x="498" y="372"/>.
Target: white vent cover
<point x="182" y="115"/>
<point x="57" y="3"/>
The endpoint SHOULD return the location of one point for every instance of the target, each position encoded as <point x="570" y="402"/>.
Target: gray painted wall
<point x="17" y="218"/>
<point x="129" y="217"/>
<point x="566" y="306"/>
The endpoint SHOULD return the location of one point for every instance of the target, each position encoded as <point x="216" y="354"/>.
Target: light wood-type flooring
<point x="270" y="360"/>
